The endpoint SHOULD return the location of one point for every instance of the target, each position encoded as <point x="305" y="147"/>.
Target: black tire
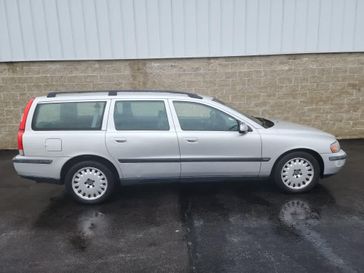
<point x="99" y="170"/>
<point x="295" y="180"/>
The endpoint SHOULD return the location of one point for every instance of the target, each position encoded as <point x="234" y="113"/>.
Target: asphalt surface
<point x="205" y="227"/>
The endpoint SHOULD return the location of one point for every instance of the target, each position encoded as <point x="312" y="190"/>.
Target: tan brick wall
<point x="321" y="90"/>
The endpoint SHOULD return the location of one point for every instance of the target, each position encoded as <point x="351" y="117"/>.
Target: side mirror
<point x="243" y="128"/>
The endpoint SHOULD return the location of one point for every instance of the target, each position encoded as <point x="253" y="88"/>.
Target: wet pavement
<point x="190" y="227"/>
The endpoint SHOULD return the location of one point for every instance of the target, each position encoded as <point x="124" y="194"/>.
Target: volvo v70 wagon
<point x="93" y="141"/>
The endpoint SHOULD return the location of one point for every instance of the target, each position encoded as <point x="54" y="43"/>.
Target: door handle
<point x="192" y="139"/>
<point x="120" y="140"/>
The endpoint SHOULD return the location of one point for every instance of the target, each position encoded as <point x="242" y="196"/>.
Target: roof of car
<point x="124" y="93"/>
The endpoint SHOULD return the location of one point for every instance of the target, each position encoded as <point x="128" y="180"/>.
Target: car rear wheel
<point x="297" y="172"/>
<point x="90" y="182"/>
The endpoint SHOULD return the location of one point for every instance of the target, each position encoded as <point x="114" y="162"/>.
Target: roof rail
<point x="54" y="94"/>
<point x="115" y="92"/>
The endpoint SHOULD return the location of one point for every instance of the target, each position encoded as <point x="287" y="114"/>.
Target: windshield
<point x="266" y="123"/>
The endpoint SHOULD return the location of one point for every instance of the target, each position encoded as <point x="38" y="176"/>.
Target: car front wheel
<point x="297" y="172"/>
<point x="89" y="182"/>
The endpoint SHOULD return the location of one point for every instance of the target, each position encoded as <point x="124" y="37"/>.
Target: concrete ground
<point x="204" y="227"/>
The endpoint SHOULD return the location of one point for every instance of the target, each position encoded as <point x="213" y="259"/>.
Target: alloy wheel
<point x="297" y="173"/>
<point x="89" y="183"/>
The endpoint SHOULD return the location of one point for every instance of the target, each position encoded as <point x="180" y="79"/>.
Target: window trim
<point x="112" y="114"/>
<point x="207" y="105"/>
<point x="35" y="113"/>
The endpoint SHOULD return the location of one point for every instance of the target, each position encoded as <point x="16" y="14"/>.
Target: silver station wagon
<point x="94" y="141"/>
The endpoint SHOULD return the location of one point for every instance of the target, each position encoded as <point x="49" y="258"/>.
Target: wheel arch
<point x="69" y="163"/>
<point x="315" y="154"/>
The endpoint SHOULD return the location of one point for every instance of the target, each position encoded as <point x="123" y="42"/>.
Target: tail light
<point x="22" y="126"/>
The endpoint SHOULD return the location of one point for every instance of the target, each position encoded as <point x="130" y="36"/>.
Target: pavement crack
<point x="187" y="224"/>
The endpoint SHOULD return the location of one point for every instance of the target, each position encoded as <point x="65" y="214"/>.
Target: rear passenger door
<point x="142" y="138"/>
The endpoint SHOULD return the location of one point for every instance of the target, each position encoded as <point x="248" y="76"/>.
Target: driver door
<point x="210" y="143"/>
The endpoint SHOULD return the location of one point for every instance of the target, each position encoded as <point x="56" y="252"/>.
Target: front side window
<point x="140" y="115"/>
<point x="198" y="117"/>
<point x="68" y="116"/>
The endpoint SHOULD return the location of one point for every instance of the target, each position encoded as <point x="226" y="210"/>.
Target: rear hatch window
<point x="68" y="116"/>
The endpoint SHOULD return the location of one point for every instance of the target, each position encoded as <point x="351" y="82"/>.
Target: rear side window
<point x="140" y="115"/>
<point x="68" y="116"/>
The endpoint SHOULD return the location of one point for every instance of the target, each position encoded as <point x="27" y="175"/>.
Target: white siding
<point x="138" y="29"/>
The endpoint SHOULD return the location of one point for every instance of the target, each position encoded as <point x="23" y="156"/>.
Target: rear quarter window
<point x="68" y="116"/>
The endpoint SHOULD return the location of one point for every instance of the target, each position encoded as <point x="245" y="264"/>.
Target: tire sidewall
<point x="108" y="173"/>
<point x="282" y="161"/>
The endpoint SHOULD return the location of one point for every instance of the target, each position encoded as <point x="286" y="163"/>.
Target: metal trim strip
<point x="214" y="159"/>
<point x="32" y="161"/>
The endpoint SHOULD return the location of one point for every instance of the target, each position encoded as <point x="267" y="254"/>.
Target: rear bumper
<point x="43" y="179"/>
<point x="38" y="169"/>
<point x="333" y="163"/>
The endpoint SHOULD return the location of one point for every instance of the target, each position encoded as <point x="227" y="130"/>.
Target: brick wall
<point x="321" y="90"/>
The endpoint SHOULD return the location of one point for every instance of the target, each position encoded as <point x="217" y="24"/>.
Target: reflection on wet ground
<point x="197" y="227"/>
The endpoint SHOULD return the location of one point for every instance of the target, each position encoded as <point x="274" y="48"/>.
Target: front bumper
<point x="333" y="162"/>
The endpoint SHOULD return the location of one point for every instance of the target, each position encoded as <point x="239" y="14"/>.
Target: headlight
<point x="335" y="147"/>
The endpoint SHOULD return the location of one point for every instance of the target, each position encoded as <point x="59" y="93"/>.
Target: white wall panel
<point x="129" y="29"/>
<point x="358" y="35"/>
<point x="276" y="26"/>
